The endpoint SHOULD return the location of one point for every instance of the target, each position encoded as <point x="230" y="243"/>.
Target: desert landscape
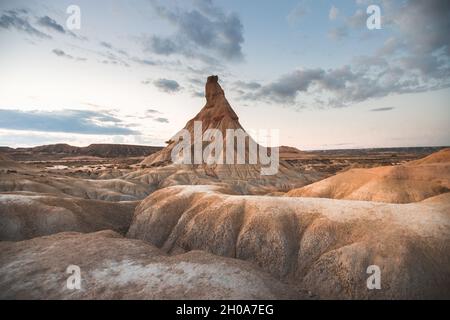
<point x="142" y="227"/>
<point x="205" y="150"/>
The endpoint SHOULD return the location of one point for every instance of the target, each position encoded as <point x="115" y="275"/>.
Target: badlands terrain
<point x="142" y="227"/>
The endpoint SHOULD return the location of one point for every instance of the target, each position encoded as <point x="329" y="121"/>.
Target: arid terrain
<point x="142" y="227"/>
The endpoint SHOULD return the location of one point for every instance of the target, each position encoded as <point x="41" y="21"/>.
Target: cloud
<point x="48" y="22"/>
<point x="161" y="120"/>
<point x="111" y="47"/>
<point x="357" y="20"/>
<point x="111" y="58"/>
<point x="62" y="54"/>
<point x="338" y="33"/>
<point x="153" y="114"/>
<point x="146" y="62"/>
<point x="94" y="105"/>
<point x="196" y="82"/>
<point x="247" y="85"/>
<point x="415" y="58"/>
<point x="68" y="120"/>
<point x="106" y="44"/>
<point x="382" y="109"/>
<point x="333" y="14"/>
<point x="151" y="111"/>
<point x="52" y="25"/>
<point x="344" y="86"/>
<point x="205" y="27"/>
<point x="167" y="85"/>
<point x="423" y="25"/>
<point x="198" y="94"/>
<point x="19" y="19"/>
<point x="163" y="46"/>
<point x="15" y="19"/>
<point x="296" y="14"/>
<point x="285" y="89"/>
<point x="390" y="46"/>
<point x="117" y="56"/>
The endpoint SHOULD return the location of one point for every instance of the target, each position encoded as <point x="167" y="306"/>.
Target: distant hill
<point x="118" y="150"/>
<point x="4" y="157"/>
<point x="287" y="152"/>
<point x="54" y="148"/>
<point x="62" y="150"/>
<point x="410" y="182"/>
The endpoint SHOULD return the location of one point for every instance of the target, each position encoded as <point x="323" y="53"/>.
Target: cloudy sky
<point x="134" y="72"/>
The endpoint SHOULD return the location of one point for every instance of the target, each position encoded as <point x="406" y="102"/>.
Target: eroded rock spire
<point x="212" y="90"/>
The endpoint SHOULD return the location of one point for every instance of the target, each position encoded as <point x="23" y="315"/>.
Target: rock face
<point x="411" y="182"/>
<point x="116" y="268"/>
<point x="244" y="178"/>
<point x="4" y="157"/>
<point x="321" y="245"/>
<point x="216" y="114"/>
<point x="35" y="203"/>
<point x="27" y="215"/>
<point x="31" y="180"/>
<point x="6" y="163"/>
<point x="442" y="156"/>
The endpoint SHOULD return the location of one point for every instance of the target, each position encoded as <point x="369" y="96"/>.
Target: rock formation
<point x="321" y="245"/>
<point x="216" y="114"/>
<point x="116" y="268"/>
<point x="411" y="182"/>
<point x="244" y="178"/>
<point x="34" y="203"/>
<point x="28" y="215"/>
<point x="22" y="179"/>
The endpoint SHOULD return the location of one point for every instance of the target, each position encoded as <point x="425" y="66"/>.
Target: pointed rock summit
<point x="213" y="89"/>
<point x="216" y="114"/>
<point x="217" y="107"/>
<point x="159" y="170"/>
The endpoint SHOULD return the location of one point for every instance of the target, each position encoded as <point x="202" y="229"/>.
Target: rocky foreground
<point x="320" y="245"/>
<point x="113" y="267"/>
<point x="272" y="247"/>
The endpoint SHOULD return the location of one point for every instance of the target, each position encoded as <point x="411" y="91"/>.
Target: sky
<point x="134" y="71"/>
